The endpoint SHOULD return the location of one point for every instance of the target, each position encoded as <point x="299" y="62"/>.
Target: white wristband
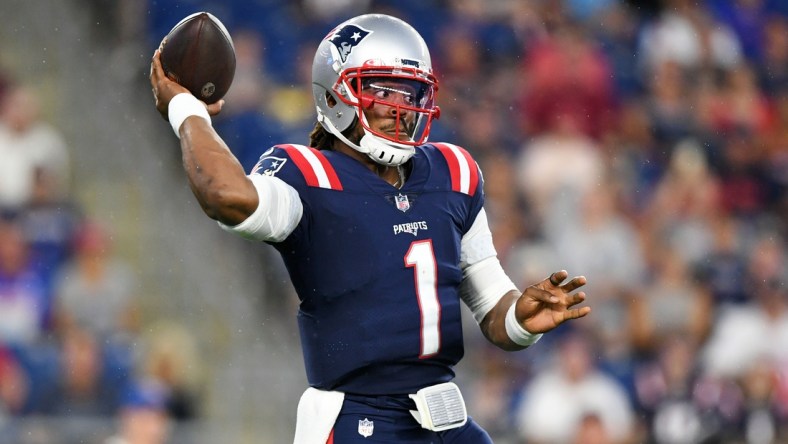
<point x="183" y="106"/>
<point x="516" y="332"/>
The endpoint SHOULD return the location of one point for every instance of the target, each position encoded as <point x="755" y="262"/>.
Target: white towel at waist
<point x="317" y="413"/>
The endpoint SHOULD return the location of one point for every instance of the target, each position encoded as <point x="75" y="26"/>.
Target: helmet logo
<point x="346" y="38"/>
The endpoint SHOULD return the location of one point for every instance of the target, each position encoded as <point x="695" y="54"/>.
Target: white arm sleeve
<point x="484" y="281"/>
<point x="278" y="212"/>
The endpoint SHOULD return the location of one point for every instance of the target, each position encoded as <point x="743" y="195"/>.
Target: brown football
<point x="198" y="53"/>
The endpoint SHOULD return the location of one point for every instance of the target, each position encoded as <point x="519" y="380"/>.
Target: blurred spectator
<point x="762" y="418"/>
<point x="169" y="360"/>
<point x="671" y="303"/>
<point x="633" y="158"/>
<point x="743" y="182"/>
<point x="741" y="105"/>
<point x="29" y="147"/>
<point x="684" y="33"/>
<point x="669" y="108"/>
<point x="500" y="37"/>
<point x="14" y="386"/>
<point x="685" y="202"/>
<point x="96" y="290"/>
<point x="775" y="161"/>
<point x="545" y="176"/>
<point x="23" y="293"/>
<point x="747" y="333"/>
<point x="567" y="81"/>
<point x="74" y="386"/>
<point x="459" y="63"/>
<point x="560" y="396"/>
<point x="494" y="389"/>
<point x="483" y="131"/>
<point x="773" y="68"/>
<point x="724" y="270"/>
<point x="616" y="31"/>
<point x="746" y="18"/>
<point x="591" y="430"/>
<point x="14" y="391"/>
<point x="143" y="417"/>
<point x="89" y="384"/>
<point x="768" y="259"/>
<point x="526" y="21"/>
<point x="50" y="222"/>
<point x="665" y="394"/>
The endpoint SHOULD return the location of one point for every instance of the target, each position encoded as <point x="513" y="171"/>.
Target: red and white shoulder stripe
<point x="463" y="169"/>
<point x="317" y="170"/>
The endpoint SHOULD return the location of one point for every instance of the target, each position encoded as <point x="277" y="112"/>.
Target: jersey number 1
<point x="421" y="258"/>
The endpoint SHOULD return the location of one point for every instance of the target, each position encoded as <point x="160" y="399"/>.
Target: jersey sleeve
<point x="286" y="178"/>
<point x="277" y="180"/>
<point x="278" y="212"/>
<point x="484" y="281"/>
<point x="465" y="177"/>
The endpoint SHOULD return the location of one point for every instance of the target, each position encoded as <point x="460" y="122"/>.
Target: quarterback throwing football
<point x="383" y="234"/>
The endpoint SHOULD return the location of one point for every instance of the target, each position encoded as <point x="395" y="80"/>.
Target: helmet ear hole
<point x="330" y="100"/>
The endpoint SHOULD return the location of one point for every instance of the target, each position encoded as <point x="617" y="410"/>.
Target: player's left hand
<point x="547" y="304"/>
<point x="164" y="88"/>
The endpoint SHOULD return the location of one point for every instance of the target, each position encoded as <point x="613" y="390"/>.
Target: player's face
<point x="388" y="104"/>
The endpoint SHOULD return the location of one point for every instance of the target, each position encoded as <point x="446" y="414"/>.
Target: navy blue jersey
<point x="377" y="268"/>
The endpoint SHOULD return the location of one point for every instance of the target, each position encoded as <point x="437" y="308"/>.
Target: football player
<point x="383" y="234"/>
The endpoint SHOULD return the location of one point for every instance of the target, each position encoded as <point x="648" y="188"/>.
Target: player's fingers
<point x="576" y="313"/>
<point x="575" y="299"/>
<point x="539" y="295"/>
<point x="215" y="108"/>
<point x="574" y="284"/>
<point x="558" y="277"/>
<point x="155" y="66"/>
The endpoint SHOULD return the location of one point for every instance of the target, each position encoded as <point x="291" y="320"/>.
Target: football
<point x="198" y="54"/>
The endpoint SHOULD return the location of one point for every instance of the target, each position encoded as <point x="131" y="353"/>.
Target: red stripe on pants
<point x="331" y="437"/>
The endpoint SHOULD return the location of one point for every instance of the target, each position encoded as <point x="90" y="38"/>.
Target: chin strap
<point x="385" y="152"/>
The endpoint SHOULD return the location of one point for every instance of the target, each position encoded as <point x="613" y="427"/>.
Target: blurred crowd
<point x="75" y="363"/>
<point x="641" y="144"/>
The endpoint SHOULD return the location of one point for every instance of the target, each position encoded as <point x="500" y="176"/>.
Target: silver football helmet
<point x="376" y="59"/>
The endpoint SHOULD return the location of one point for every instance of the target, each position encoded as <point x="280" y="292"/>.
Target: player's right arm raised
<point x="216" y="178"/>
